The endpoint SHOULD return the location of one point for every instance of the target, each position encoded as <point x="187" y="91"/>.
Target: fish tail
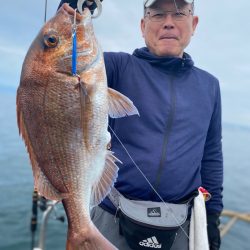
<point x="88" y="239"/>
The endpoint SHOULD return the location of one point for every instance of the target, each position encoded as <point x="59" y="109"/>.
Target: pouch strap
<point x="114" y="196"/>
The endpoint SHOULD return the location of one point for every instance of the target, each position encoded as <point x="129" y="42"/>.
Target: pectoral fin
<point x="103" y="186"/>
<point x="120" y="105"/>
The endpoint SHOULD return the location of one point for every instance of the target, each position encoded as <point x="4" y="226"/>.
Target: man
<point x="176" y="141"/>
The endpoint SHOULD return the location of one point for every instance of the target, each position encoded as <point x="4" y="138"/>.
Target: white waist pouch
<point x="156" y="214"/>
<point x="149" y="224"/>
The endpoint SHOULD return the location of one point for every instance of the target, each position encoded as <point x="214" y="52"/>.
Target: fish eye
<point x="51" y="40"/>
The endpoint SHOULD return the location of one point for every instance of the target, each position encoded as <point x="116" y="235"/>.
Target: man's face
<point x="171" y="35"/>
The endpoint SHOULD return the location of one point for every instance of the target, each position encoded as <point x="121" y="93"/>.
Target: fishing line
<point x="144" y="176"/>
<point x="45" y="12"/>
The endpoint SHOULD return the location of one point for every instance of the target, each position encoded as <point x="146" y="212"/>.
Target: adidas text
<point x="150" y="242"/>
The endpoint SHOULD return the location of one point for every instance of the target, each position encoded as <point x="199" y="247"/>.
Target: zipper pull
<point x="183" y="62"/>
<point x="116" y="213"/>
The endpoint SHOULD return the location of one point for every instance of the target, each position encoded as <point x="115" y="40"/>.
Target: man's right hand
<point x="87" y="4"/>
<point x="91" y="5"/>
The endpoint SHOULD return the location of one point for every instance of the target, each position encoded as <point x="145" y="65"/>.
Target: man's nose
<point x="168" y="22"/>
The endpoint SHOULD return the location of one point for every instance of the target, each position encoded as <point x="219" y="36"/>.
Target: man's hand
<point x="213" y="222"/>
<point x="73" y="3"/>
<point x="91" y="5"/>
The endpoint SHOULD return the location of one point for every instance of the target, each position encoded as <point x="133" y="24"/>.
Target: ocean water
<point x="16" y="185"/>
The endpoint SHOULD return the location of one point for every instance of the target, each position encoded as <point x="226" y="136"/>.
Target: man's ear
<point x="142" y="26"/>
<point x="195" y="22"/>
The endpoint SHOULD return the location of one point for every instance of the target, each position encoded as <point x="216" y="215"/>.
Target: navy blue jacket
<point x="176" y="140"/>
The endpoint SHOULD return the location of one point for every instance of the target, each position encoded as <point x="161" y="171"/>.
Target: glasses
<point x="160" y="16"/>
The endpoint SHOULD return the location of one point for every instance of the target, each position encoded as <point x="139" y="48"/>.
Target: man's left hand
<point x="213" y="222"/>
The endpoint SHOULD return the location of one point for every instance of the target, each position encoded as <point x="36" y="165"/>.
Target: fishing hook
<point x="98" y="4"/>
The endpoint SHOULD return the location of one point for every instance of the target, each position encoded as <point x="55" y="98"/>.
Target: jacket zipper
<point x="169" y="125"/>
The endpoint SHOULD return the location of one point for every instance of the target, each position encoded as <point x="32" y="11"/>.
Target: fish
<point x="63" y="120"/>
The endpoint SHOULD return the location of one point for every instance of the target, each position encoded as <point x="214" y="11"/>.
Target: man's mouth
<point x="168" y="37"/>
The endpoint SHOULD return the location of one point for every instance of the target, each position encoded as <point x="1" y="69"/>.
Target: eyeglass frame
<point x="190" y="12"/>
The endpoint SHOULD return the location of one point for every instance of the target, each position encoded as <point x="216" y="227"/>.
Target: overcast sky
<point x="220" y="45"/>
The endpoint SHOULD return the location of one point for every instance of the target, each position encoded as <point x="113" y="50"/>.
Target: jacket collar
<point x="172" y="65"/>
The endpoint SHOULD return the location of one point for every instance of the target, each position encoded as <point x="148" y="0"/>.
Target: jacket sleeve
<point x="212" y="161"/>
<point x="112" y="69"/>
<point x="72" y="3"/>
<point x="115" y="64"/>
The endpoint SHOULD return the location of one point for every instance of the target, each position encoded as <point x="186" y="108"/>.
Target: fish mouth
<point x="71" y="12"/>
<point x="75" y="17"/>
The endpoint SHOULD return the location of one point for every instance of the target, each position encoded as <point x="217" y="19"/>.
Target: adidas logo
<point x="154" y="212"/>
<point x="150" y="242"/>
